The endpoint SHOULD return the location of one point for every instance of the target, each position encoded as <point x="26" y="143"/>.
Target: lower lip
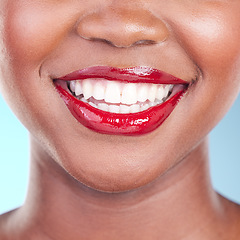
<point x="119" y="124"/>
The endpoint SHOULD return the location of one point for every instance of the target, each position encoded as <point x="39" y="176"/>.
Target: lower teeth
<point x="125" y="109"/>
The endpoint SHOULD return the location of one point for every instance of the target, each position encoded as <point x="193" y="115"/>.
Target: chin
<point x="110" y="183"/>
<point x="119" y="175"/>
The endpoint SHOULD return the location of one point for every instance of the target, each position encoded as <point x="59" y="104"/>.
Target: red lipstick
<point x="133" y="74"/>
<point x="116" y="123"/>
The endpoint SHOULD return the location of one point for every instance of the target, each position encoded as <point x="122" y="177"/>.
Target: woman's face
<point x="196" y="41"/>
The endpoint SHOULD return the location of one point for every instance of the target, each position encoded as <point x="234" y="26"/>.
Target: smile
<point x="130" y="101"/>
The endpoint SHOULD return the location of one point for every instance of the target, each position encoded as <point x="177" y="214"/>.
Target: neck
<point x="175" y="206"/>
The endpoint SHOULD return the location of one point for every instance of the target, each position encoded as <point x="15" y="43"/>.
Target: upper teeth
<point x="121" y="94"/>
<point x="117" y="92"/>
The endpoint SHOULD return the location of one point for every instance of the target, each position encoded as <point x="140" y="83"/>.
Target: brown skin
<point x="150" y="187"/>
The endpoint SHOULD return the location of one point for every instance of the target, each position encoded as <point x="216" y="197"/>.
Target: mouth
<point x="130" y="101"/>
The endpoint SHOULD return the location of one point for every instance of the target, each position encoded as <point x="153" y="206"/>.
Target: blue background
<point x="14" y="162"/>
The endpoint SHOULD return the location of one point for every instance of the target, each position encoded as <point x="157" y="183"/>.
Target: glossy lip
<point x="133" y="74"/>
<point x="132" y="124"/>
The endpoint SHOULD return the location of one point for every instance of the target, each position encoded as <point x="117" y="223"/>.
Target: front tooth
<point x="78" y="88"/>
<point x="113" y="92"/>
<point x="113" y="108"/>
<point x="142" y="93"/>
<point x="129" y="94"/>
<point x="124" y="109"/>
<point x="87" y="88"/>
<point x="134" y="108"/>
<point x="98" y="91"/>
<point x="152" y="93"/>
<point x="103" y="106"/>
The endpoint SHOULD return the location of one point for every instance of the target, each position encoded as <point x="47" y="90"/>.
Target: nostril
<point x="137" y="43"/>
<point x="144" y="42"/>
<point x="121" y="27"/>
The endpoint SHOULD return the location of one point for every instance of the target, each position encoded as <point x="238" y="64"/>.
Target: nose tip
<point x="123" y="27"/>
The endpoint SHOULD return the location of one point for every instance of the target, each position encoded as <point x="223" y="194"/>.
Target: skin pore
<point x="86" y="185"/>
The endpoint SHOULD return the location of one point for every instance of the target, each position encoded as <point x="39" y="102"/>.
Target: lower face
<point x="119" y="132"/>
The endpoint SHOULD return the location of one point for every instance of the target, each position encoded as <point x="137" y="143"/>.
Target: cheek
<point x="212" y="39"/>
<point x="34" y="30"/>
<point x="30" y="32"/>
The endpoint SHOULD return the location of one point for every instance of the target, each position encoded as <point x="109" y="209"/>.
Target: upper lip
<point x="132" y="74"/>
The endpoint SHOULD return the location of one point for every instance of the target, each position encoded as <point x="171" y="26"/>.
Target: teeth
<point x="168" y="89"/>
<point x="72" y="86"/>
<point x="134" y="108"/>
<point x="129" y="94"/>
<point x="99" y="91"/>
<point x="122" y="97"/>
<point x="103" y="106"/>
<point x="92" y="104"/>
<point x="145" y="107"/>
<point x="160" y="93"/>
<point x="151" y="104"/>
<point x="152" y="93"/>
<point x="87" y="88"/>
<point x="113" y="108"/>
<point x="124" y="109"/>
<point x="113" y="92"/>
<point x="143" y="91"/>
<point x="78" y="87"/>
